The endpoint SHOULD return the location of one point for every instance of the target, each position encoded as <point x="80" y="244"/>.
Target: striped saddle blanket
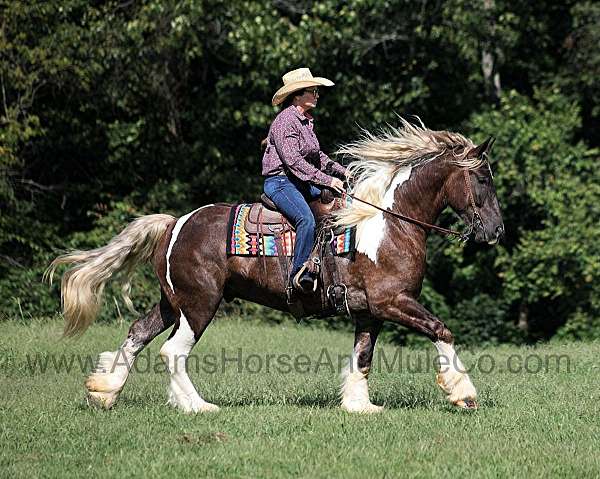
<point x="249" y="236"/>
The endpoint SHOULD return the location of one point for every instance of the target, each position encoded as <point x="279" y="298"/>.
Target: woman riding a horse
<point x="409" y="171"/>
<point x="295" y="167"/>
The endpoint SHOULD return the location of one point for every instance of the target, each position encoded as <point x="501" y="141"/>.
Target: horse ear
<point x="482" y="149"/>
<point x="490" y="143"/>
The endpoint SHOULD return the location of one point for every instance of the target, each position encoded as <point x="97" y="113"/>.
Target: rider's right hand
<point x="337" y="185"/>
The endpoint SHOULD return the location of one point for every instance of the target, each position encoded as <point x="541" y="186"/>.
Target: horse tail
<point x="82" y="286"/>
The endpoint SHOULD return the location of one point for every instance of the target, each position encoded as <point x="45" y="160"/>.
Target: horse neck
<point x="422" y="196"/>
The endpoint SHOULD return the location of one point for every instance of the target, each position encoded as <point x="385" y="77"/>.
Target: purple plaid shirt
<point x="292" y="142"/>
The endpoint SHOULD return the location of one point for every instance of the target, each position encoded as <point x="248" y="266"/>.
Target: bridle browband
<point x="464" y="237"/>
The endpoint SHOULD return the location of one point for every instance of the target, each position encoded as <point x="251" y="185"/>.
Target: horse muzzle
<point x="496" y="236"/>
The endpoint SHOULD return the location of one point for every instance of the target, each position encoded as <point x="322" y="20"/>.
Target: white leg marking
<point x="355" y="390"/>
<point x="452" y="376"/>
<point x="174" y="352"/>
<point x="370" y="233"/>
<point x="180" y="222"/>
<point x="107" y="380"/>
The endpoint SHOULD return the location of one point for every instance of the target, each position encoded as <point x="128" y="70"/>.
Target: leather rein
<point x="464" y="237"/>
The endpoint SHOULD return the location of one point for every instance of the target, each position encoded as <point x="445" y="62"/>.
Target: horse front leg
<point x="355" y="390"/>
<point x="452" y="377"/>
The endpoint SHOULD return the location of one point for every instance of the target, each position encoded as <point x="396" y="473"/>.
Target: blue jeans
<point x="291" y="196"/>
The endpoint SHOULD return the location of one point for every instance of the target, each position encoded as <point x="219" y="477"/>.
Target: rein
<point x="438" y="229"/>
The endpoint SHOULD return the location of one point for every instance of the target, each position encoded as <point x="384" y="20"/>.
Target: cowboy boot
<point x="304" y="281"/>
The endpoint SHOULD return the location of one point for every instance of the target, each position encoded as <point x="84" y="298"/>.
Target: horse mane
<point x="378" y="158"/>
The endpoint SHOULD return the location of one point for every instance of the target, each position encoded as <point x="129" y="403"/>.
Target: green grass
<point x="278" y="424"/>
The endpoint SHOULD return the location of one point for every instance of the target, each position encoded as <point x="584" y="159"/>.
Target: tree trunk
<point x="523" y="323"/>
<point x="491" y="75"/>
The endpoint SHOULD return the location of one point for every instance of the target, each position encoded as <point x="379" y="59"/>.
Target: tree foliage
<point x="117" y="108"/>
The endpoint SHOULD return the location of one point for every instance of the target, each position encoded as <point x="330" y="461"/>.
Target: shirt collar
<point x="306" y="117"/>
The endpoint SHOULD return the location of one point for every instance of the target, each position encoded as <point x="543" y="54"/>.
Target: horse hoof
<point x="368" y="408"/>
<point x="199" y="408"/>
<point x="209" y="407"/>
<point x="468" y="404"/>
<point x="101" y="400"/>
<point x="373" y="409"/>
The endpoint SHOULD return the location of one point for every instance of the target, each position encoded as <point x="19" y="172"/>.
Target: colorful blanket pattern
<point x="242" y="243"/>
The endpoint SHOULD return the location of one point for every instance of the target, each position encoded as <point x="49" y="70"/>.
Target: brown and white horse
<point x="412" y="170"/>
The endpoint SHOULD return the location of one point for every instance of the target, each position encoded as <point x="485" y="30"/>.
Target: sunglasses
<point x="312" y="91"/>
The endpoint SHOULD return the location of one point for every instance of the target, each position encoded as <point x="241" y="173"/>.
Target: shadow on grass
<point x="392" y="397"/>
<point x="316" y="400"/>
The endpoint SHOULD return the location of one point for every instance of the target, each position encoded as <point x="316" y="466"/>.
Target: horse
<point x="409" y="169"/>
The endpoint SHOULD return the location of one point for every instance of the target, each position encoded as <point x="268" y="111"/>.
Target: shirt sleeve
<point x="327" y="162"/>
<point x="287" y="143"/>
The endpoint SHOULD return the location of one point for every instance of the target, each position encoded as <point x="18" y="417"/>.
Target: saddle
<point x="260" y="230"/>
<point x="264" y="218"/>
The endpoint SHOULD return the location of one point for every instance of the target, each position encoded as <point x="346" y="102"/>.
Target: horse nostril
<point x="499" y="230"/>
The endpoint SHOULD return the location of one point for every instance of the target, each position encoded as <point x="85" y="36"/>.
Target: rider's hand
<point x="337" y="185"/>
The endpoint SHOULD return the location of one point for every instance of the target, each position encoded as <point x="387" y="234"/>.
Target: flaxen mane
<point x="379" y="158"/>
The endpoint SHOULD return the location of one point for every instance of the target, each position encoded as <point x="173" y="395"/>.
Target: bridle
<point x="462" y="236"/>
<point x="476" y="218"/>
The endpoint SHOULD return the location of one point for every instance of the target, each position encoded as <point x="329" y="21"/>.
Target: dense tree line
<point x="117" y="108"/>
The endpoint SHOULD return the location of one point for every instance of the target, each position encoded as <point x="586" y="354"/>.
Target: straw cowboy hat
<point x="297" y="80"/>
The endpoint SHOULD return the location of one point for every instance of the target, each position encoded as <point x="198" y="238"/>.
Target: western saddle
<point x="264" y="217"/>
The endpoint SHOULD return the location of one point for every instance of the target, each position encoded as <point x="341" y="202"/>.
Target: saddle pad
<point x="242" y="243"/>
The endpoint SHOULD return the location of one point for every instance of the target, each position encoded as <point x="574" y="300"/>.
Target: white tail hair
<point x="83" y="285"/>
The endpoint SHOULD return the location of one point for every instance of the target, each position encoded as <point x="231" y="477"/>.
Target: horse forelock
<point x="379" y="158"/>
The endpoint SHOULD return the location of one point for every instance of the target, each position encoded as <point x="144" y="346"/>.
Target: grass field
<point x="280" y="421"/>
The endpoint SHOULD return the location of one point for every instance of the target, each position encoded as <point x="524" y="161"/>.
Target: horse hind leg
<point x="355" y="389"/>
<point x="108" y="378"/>
<point x="188" y="330"/>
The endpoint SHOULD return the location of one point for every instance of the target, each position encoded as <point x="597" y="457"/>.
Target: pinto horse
<point x="409" y="170"/>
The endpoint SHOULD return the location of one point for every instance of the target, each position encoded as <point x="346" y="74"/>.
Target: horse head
<point x="471" y="193"/>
